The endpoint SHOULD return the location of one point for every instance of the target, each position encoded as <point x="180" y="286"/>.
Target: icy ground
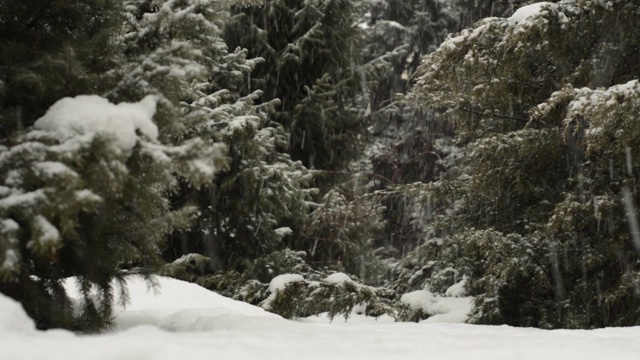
<point x="185" y="322"/>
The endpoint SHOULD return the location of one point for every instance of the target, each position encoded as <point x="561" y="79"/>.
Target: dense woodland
<point x="412" y="145"/>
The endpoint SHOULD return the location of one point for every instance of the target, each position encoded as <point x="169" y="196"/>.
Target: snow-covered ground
<point x="185" y="321"/>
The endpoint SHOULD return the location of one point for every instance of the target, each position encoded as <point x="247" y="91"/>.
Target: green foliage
<point x="175" y="49"/>
<point x="306" y="298"/>
<point x="343" y="233"/>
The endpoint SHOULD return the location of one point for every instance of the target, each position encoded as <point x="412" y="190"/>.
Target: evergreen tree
<point x="538" y="213"/>
<point x="314" y="64"/>
<point x="78" y="192"/>
<point x="84" y="196"/>
<point x="175" y="50"/>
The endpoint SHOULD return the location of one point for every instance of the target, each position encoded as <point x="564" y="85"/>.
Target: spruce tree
<point x="314" y="64"/>
<point x="174" y="49"/>
<point x="539" y="212"/>
<point x="87" y="192"/>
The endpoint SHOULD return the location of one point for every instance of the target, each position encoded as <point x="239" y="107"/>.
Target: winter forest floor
<point x="185" y="321"/>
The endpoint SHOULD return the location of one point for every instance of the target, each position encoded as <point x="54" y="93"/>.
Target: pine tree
<point x="175" y="50"/>
<point x="84" y="195"/>
<point x="314" y="65"/>
<point x="538" y="213"/>
<point x="88" y="199"/>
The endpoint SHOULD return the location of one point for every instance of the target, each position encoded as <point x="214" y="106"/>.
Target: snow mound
<point x="93" y="114"/>
<point x="457" y="289"/>
<point x="441" y="309"/>
<point x="13" y="317"/>
<point x="223" y="334"/>
<point x="175" y="306"/>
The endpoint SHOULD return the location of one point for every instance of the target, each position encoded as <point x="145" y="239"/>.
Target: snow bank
<point x="93" y="114"/>
<point x="175" y="306"/>
<point x="13" y="318"/>
<point x="252" y="334"/>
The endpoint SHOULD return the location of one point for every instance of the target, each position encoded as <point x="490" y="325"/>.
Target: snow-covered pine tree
<point x="405" y="149"/>
<point x="175" y="50"/>
<point x="86" y="193"/>
<point x="540" y="212"/>
<point x="314" y="64"/>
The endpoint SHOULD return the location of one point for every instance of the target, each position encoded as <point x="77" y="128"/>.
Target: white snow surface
<point x="185" y="321"/>
<point x="88" y="114"/>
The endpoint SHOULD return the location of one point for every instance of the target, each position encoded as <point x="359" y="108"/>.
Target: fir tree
<point x="88" y="199"/>
<point x="538" y="213"/>
<point x="175" y="50"/>
<point x="78" y="202"/>
<point x="314" y="65"/>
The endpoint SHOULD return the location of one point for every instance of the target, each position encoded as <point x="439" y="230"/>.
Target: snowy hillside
<point x="184" y="321"/>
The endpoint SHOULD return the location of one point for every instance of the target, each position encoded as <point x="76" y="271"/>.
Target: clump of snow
<point x="8" y="225"/>
<point x="48" y="233"/>
<point x="13" y="317"/>
<point x="283" y="231"/>
<point x="280" y="282"/>
<point x="93" y="114"/>
<point x="337" y="278"/>
<point x="527" y="11"/>
<point x="440" y="308"/>
<point x="457" y="289"/>
<point x="53" y="168"/>
<point x="19" y="199"/>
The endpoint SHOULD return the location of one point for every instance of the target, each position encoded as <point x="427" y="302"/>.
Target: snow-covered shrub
<point x="293" y="296"/>
<point x="288" y="286"/>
